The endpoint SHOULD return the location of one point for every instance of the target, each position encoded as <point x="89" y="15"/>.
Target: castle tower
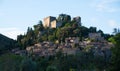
<point x="48" y="20"/>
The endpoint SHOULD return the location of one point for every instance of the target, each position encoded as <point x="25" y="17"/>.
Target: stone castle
<point x="52" y="22"/>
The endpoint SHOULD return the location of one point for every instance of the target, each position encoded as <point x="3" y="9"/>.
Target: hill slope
<point x="6" y="43"/>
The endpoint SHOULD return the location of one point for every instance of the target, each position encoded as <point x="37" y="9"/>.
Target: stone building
<point x="72" y="40"/>
<point x="96" y="36"/>
<point x="55" y="24"/>
<point x="51" y="22"/>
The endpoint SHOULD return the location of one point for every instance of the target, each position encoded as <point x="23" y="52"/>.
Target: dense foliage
<point x="115" y="62"/>
<point x="59" y="62"/>
<point x="10" y="62"/>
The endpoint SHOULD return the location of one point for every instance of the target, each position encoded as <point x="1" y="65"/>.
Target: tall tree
<point x="116" y="30"/>
<point x="92" y="29"/>
<point x="116" y="53"/>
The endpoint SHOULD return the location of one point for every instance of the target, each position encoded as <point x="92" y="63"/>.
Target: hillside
<point x="59" y="44"/>
<point x="57" y="29"/>
<point x="6" y="43"/>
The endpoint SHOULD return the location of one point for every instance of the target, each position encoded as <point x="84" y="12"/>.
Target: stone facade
<point x="51" y="22"/>
<point x="96" y="36"/>
<point x="48" y="20"/>
<point x="55" y="24"/>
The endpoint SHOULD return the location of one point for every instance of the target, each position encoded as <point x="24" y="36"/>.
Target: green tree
<point x="30" y="36"/>
<point x="100" y="31"/>
<point x="115" y="31"/>
<point x="42" y="64"/>
<point x="51" y="37"/>
<point x="64" y="18"/>
<point x="10" y="62"/>
<point x="92" y="29"/>
<point x="39" y="27"/>
<point x="84" y="31"/>
<point x="107" y="36"/>
<point x="28" y="65"/>
<point x="6" y="43"/>
<point x="115" y="63"/>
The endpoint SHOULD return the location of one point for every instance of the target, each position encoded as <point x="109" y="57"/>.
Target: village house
<point x="96" y="36"/>
<point x="47" y="48"/>
<point x="74" y="40"/>
<point x="42" y="49"/>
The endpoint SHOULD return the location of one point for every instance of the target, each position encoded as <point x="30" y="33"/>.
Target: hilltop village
<point x="70" y="38"/>
<point x="60" y="44"/>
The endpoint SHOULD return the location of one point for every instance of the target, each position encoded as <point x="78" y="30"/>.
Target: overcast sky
<point x="17" y="15"/>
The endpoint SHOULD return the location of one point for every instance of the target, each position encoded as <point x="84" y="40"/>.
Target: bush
<point x="28" y="65"/>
